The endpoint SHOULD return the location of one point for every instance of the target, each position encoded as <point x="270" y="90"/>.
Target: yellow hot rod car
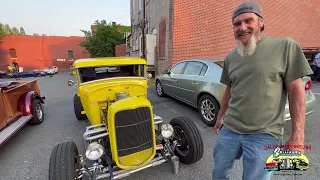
<point x="124" y="135"/>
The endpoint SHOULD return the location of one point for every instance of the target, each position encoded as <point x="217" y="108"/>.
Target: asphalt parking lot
<point x="26" y="155"/>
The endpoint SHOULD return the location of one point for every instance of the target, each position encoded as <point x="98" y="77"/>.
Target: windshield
<point x="104" y="72"/>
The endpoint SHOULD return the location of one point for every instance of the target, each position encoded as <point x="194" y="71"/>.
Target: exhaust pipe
<point x="175" y="164"/>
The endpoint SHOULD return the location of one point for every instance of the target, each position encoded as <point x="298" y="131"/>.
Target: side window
<point x="193" y="68"/>
<point x="177" y="69"/>
<point x="203" y="70"/>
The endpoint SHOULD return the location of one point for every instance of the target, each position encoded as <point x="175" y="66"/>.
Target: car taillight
<point x="308" y="85"/>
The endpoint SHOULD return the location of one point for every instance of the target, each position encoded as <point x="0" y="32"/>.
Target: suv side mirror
<point x="71" y="83"/>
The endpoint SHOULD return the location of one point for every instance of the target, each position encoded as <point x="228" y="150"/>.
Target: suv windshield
<point x="104" y="72"/>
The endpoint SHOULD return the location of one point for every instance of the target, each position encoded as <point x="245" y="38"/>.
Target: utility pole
<point x="143" y="30"/>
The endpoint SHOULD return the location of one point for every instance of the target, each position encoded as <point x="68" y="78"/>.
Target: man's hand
<point x="295" y="143"/>
<point x="224" y="106"/>
<point x="218" y="125"/>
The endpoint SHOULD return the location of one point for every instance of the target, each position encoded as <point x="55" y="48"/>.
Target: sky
<point x="62" y="17"/>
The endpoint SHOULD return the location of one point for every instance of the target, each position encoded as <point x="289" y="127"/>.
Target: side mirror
<point x="166" y="71"/>
<point x="71" y="83"/>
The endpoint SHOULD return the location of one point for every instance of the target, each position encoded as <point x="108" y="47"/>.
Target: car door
<point x="169" y="80"/>
<point x="191" y="80"/>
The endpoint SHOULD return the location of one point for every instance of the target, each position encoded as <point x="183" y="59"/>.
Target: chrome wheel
<point x="159" y="89"/>
<point x="208" y="110"/>
<point x="39" y="111"/>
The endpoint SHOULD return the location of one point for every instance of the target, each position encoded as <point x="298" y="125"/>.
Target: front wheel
<point x="77" y="105"/>
<point x="159" y="89"/>
<point x="64" y="162"/>
<point x="190" y="144"/>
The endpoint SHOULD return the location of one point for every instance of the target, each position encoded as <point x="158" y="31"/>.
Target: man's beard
<point x="249" y="49"/>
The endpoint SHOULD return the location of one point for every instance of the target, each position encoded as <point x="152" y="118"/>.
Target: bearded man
<point x="258" y="74"/>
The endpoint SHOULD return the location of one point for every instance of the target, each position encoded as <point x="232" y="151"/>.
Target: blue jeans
<point x="231" y="146"/>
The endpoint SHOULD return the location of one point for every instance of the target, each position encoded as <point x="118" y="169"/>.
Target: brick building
<point x="120" y="50"/>
<point x="202" y="28"/>
<point x="37" y="52"/>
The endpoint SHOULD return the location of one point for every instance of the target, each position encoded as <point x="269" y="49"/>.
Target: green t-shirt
<point x="258" y="95"/>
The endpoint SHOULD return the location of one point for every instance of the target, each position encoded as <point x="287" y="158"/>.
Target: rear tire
<point x="190" y="140"/>
<point x="77" y="105"/>
<point x="63" y="162"/>
<point x="207" y="108"/>
<point x="37" y="112"/>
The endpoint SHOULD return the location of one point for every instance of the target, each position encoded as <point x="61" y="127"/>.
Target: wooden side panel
<point x="3" y="115"/>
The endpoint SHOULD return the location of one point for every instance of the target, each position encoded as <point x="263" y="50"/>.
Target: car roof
<point x="207" y="61"/>
<point x="107" y="61"/>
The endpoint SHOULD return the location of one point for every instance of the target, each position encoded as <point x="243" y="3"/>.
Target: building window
<point x="148" y="27"/>
<point x="140" y="4"/>
<point x="162" y="38"/>
<point x="70" y="55"/>
<point x="133" y="6"/>
<point x="137" y="44"/>
<point x="140" y="45"/>
<point x="13" y="53"/>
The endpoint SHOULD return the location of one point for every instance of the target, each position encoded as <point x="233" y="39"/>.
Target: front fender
<point x="25" y="102"/>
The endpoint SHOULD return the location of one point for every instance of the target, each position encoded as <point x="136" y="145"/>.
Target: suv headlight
<point x="94" y="151"/>
<point x="166" y="130"/>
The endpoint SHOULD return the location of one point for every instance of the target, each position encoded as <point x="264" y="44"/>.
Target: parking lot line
<point x="175" y="112"/>
<point x="317" y="94"/>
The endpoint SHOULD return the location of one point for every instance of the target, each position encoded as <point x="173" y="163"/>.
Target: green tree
<point x="7" y="29"/>
<point x="2" y="31"/>
<point x="22" y="32"/>
<point x="101" y="42"/>
<point x="15" y="31"/>
<point x="125" y="28"/>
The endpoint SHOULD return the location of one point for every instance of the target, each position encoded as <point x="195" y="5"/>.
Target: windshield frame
<point x="80" y="82"/>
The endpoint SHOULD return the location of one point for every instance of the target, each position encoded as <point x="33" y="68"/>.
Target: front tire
<point x="37" y="112"/>
<point x="64" y="162"/>
<point x="159" y="89"/>
<point x="208" y="109"/>
<point x="77" y="105"/>
<point x="190" y="149"/>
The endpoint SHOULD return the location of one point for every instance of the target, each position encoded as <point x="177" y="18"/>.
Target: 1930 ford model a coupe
<point x="125" y="136"/>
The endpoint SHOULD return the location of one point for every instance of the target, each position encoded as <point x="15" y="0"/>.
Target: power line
<point x="137" y="8"/>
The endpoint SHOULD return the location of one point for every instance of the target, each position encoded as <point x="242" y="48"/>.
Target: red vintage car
<point x="20" y="103"/>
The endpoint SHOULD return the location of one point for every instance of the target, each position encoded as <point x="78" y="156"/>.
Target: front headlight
<point x="166" y="130"/>
<point x="94" y="151"/>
